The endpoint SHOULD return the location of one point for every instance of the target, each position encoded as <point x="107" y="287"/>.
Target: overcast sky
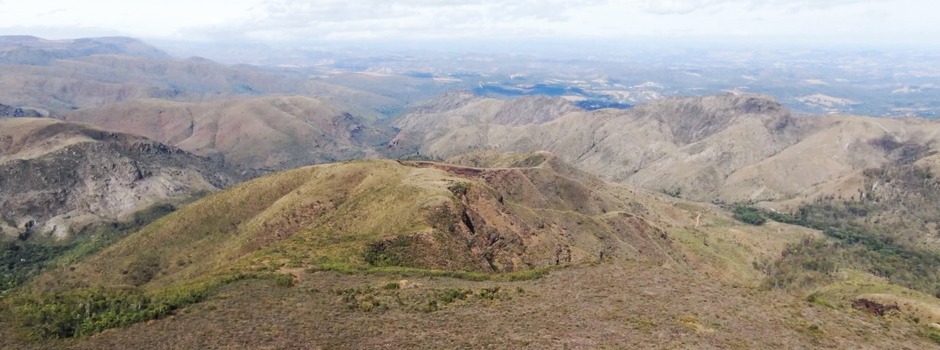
<point x="911" y="22"/>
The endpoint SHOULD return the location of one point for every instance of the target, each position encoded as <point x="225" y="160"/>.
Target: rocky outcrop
<point x="18" y="112"/>
<point x="56" y="177"/>
<point x="533" y="110"/>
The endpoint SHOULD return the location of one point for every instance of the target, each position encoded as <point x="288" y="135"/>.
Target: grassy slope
<point x="330" y="215"/>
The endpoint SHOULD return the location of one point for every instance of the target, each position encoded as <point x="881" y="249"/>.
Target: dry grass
<point x="613" y="305"/>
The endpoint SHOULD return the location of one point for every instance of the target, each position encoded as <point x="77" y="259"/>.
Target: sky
<point x="908" y="22"/>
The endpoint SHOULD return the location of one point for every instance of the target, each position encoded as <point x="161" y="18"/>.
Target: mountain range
<point x="156" y="202"/>
<point x="727" y="148"/>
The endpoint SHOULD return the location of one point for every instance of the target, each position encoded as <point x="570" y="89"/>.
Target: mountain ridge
<point x="727" y="147"/>
<point x="257" y="133"/>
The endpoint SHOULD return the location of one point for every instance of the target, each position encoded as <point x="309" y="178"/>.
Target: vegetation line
<point x="523" y="275"/>
<point x="82" y="312"/>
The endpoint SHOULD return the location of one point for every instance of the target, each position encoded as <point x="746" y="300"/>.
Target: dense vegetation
<point x="20" y="261"/>
<point x="748" y="215"/>
<point x="25" y="258"/>
<point x="81" y="312"/>
<point x="852" y="243"/>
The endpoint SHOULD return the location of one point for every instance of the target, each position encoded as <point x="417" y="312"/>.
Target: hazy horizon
<point x="487" y="25"/>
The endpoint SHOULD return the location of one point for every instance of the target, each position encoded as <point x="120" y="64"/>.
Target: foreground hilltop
<point x="535" y="214"/>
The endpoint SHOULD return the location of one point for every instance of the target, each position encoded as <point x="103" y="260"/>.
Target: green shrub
<point x="489" y="293"/>
<point x="854" y="243"/>
<point x="451" y="295"/>
<point x="283" y="280"/>
<point x="748" y="215"/>
<point x="934" y="335"/>
<point x="459" y="188"/>
<point x="87" y="311"/>
<point x="82" y="312"/>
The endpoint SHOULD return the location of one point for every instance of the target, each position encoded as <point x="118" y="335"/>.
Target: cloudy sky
<point x="908" y="22"/>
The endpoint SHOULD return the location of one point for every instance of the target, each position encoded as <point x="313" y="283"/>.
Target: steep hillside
<point x="730" y="147"/>
<point x="56" y="177"/>
<point x="385" y="213"/>
<point x="275" y="132"/>
<point x="537" y="212"/>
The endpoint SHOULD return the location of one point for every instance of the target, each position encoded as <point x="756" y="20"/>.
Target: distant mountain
<point x="57" y="177"/>
<point x="30" y="50"/>
<point x="94" y="72"/>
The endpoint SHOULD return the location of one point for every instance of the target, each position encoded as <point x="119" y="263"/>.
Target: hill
<point x="385" y="213"/>
<point x="272" y="132"/>
<point x="57" y="177"/>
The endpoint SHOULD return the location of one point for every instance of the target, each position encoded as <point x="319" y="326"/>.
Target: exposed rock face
<point x="56" y="177"/>
<point x="533" y="110"/>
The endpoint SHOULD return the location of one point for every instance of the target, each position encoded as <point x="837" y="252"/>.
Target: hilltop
<point x="386" y="213"/>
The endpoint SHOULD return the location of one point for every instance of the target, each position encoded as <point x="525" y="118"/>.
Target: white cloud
<point x="832" y="20"/>
<point x="289" y="19"/>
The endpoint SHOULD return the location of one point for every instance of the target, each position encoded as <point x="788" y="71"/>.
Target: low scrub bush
<point x="82" y="312"/>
